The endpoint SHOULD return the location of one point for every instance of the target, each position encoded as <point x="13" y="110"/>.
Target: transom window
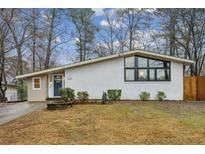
<point x="36" y="83"/>
<point x="146" y="69"/>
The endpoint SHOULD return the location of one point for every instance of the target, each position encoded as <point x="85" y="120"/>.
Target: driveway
<point x="9" y="112"/>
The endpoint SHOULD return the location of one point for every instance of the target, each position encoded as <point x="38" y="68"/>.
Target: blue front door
<point x="57" y="84"/>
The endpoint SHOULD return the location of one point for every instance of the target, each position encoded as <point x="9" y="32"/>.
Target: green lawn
<point x="121" y="123"/>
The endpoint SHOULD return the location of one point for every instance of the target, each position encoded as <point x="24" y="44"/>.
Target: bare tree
<point x="18" y="29"/>
<point x="108" y="33"/>
<point x="84" y="32"/>
<point x="191" y="37"/>
<point x="4" y="48"/>
<point x="184" y="34"/>
<point x="112" y="37"/>
<point x="121" y="36"/>
<point x="51" y="20"/>
<point x="167" y="19"/>
<point x="132" y="19"/>
<point x="53" y="35"/>
<point x="34" y="35"/>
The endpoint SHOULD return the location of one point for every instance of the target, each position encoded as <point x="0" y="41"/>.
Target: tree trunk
<point x="3" y="81"/>
<point x="85" y="46"/>
<point x="130" y="37"/>
<point x="19" y="72"/>
<point x="50" y="38"/>
<point x="34" y="40"/>
<point x="81" y="48"/>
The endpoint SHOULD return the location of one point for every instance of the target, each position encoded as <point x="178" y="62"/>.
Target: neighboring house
<point x="11" y="92"/>
<point x="132" y="72"/>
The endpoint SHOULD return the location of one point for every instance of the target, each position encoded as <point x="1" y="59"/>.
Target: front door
<point x="57" y="84"/>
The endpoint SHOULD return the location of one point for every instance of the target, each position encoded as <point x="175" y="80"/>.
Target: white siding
<point x="99" y="77"/>
<point x="11" y="93"/>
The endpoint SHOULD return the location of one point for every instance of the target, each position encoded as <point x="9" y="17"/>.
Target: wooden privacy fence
<point x="194" y="88"/>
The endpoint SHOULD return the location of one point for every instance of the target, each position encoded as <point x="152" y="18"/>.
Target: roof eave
<point x="137" y="52"/>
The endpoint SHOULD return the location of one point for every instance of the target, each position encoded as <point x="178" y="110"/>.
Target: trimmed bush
<point x="83" y="96"/>
<point x="144" y="96"/>
<point x="114" y="94"/>
<point x="67" y="94"/>
<point x="161" y="96"/>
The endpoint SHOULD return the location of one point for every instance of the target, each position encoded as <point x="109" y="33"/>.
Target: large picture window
<point x="146" y="69"/>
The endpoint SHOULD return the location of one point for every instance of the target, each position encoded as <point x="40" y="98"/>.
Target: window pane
<point x="36" y="85"/>
<point x="142" y="74"/>
<point x="155" y="63"/>
<point x="58" y="78"/>
<point x="142" y="62"/>
<point x="152" y="74"/>
<point x="129" y="74"/>
<point x="36" y="81"/>
<point x="158" y="63"/>
<point x="130" y="62"/>
<point x="162" y="74"/>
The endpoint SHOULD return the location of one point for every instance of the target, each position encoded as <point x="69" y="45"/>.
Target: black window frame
<point x="148" y="70"/>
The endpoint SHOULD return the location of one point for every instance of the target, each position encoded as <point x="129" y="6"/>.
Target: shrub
<point x="161" y="96"/>
<point x="114" y="94"/>
<point x="21" y="90"/>
<point x="144" y="96"/>
<point x="67" y="94"/>
<point x="83" y="96"/>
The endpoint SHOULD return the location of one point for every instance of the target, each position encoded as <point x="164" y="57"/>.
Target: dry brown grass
<point x="139" y="123"/>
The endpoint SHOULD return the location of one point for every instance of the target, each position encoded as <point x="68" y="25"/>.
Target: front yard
<point x="121" y="123"/>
